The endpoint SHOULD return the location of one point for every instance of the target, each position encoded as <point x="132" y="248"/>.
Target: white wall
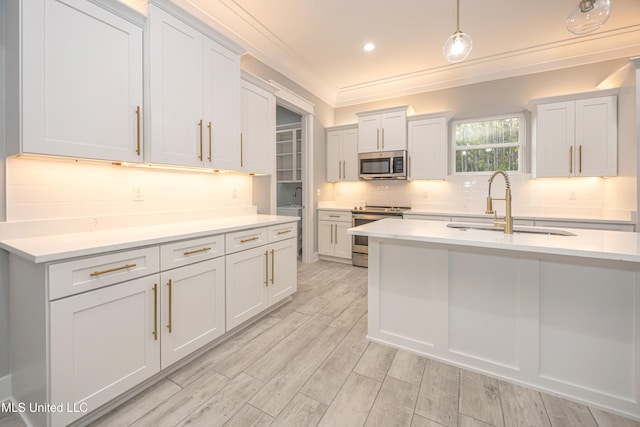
<point x="611" y="198"/>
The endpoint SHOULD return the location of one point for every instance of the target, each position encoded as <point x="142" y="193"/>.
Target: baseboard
<point x="5" y="388"/>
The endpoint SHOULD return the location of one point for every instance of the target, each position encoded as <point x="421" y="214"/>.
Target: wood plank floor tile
<point x="279" y="356"/>
<point x="480" y="398"/>
<point x="320" y="302"/>
<point x="139" y="405"/>
<point x="419" y="421"/>
<point x="287" y="382"/>
<point x="394" y="405"/>
<point x="467" y="421"/>
<point x="522" y="406"/>
<point x="375" y="361"/>
<point x="350" y="316"/>
<point x="244" y="357"/>
<point x="11" y="419"/>
<point x="566" y="413"/>
<point x="184" y="402"/>
<point x="248" y="416"/>
<point x="225" y="403"/>
<point x="325" y="383"/>
<point x="343" y="301"/>
<point x="351" y="406"/>
<point x="408" y="367"/>
<point x="438" y="398"/>
<point x="301" y="411"/>
<point x="219" y="353"/>
<point x="607" y="419"/>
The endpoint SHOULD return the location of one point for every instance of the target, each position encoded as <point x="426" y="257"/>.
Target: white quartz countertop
<point x="601" y="244"/>
<point x="62" y="246"/>
<point x="532" y="217"/>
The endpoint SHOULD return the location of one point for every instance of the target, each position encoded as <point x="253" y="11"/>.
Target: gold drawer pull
<point x="197" y="251"/>
<point x="334" y="216"/>
<point x="249" y="240"/>
<point x="284" y="232"/>
<point x="138" y="129"/>
<point x="124" y="267"/>
<point x="170" y="324"/>
<point x="155" y="312"/>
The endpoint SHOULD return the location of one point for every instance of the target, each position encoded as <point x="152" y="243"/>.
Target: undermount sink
<point x="464" y="226"/>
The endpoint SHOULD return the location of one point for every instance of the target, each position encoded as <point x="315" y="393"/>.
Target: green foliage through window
<point x="488" y="145"/>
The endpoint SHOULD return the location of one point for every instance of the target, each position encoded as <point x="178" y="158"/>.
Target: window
<point x="488" y="144"/>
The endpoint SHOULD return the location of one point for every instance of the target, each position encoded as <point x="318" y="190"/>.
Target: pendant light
<point x="588" y="16"/>
<point x="458" y="46"/>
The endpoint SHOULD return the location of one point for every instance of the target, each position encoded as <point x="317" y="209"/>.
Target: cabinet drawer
<point x="283" y="231"/>
<point x="72" y="277"/>
<point x="334" y="216"/>
<point x="245" y="239"/>
<point x="177" y="254"/>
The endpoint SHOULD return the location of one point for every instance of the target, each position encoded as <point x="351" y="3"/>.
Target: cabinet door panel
<point x="342" y="241"/>
<point x="596" y="133"/>
<point x="325" y="237"/>
<point x="196" y="304"/>
<point x="555" y="134"/>
<point x="283" y="270"/>
<point x="246" y="290"/>
<point x="334" y="156"/>
<point x="82" y="81"/>
<point x="102" y="344"/>
<point x="350" y="155"/>
<point x="428" y="148"/>
<point x="176" y="85"/>
<point x="221" y="106"/>
<point x="258" y="130"/>
<point x="368" y="134"/>
<point x="394" y="131"/>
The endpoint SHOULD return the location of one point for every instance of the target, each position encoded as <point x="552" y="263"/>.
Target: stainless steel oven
<point x="365" y="215"/>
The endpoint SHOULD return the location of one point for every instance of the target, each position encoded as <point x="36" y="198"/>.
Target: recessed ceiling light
<point x="369" y="47"/>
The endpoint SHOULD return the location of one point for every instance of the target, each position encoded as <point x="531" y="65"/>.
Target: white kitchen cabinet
<point x="333" y="240"/>
<point x="193" y="308"/>
<point x="195" y="102"/>
<point x="576" y="138"/>
<point x="342" y="153"/>
<point x="75" y="79"/>
<point x="261" y="275"/>
<point x="258" y="127"/>
<point x="383" y="130"/>
<point x="103" y="343"/>
<point x="428" y="147"/>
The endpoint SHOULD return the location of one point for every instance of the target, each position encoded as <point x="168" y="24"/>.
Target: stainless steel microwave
<point x="383" y="165"/>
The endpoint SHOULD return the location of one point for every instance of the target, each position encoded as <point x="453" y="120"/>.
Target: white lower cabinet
<point x="193" y="312"/>
<point x="333" y="239"/>
<point x="102" y="344"/>
<point x="261" y="276"/>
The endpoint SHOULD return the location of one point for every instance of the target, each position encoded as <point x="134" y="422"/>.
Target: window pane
<point x="487" y="160"/>
<point x="499" y="131"/>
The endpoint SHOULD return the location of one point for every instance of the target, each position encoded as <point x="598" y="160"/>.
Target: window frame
<point x="521" y="144"/>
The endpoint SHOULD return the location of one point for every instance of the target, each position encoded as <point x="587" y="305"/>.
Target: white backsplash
<point x="610" y="198"/>
<point x="43" y="189"/>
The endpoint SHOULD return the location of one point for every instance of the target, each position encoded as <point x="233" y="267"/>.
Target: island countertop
<point x="600" y="244"/>
<point x="61" y="246"/>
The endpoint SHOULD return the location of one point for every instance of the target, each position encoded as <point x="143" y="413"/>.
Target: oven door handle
<point x="374" y="217"/>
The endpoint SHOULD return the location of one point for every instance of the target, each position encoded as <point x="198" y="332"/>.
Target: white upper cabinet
<point x="342" y="154"/>
<point x="80" y="89"/>
<point x="428" y="142"/>
<point x="258" y="127"/>
<point x="195" y="95"/>
<point x="576" y="138"/>
<point x="383" y="130"/>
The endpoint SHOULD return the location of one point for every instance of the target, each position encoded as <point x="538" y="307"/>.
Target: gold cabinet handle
<point x="241" y="156"/>
<point x="344" y="173"/>
<point x="111" y="270"/>
<point x="210" y="143"/>
<point x="200" y="125"/>
<point x="266" y="268"/>
<point x="170" y="284"/>
<point x="331" y="234"/>
<point x="284" y="232"/>
<point x="334" y="216"/>
<point x="580" y="159"/>
<point x="196" y="251"/>
<point x="273" y="264"/>
<point x="138" y="129"/>
<point x="571" y="159"/>
<point x="155" y="312"/>
<point x="378" y="139"/>
<point x="383" y="138"/>
<point x="335" y="230"/>
<point x="251" y="239"/>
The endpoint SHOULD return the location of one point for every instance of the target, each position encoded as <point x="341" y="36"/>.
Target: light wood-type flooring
<point x="309" y="363"/>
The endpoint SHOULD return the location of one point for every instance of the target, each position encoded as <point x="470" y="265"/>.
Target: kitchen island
<point x="557" y="313"/>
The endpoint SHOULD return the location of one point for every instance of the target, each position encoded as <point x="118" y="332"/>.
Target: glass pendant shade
<point x="588" y="16"/>
<point x="457" y="47"/>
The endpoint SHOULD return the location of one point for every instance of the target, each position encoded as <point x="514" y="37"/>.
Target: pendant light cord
<point x="458" y="17"/>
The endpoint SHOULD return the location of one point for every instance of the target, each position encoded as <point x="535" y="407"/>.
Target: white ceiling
<point x="318" y="43"/>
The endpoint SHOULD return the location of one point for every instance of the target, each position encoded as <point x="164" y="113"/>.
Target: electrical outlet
<point x="572" y="195"/>
<point x="318" y="192"/>
<point x="234" y="193"/>
<point x="138" y="194"/>
<point x="425" y="195"/>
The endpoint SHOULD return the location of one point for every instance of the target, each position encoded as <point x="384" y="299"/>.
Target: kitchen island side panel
<point x="561" y="324"/>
